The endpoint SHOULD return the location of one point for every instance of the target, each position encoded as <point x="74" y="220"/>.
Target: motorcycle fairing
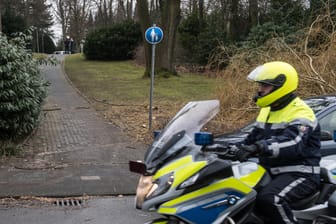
<point x="179" y="132"/>
<point x="159" y="221"/>
<point x="208" y="203"/>
<point x="184" y="168"/>
<point x="169" y="176"/>
<point x="183" y="175"/>
<point x="186" y="163"/>
<point x="249" y="173"/>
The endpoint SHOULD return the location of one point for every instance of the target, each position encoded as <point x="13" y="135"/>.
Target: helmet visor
<point x="264" y="76"/>
<point x="255" y="74"/>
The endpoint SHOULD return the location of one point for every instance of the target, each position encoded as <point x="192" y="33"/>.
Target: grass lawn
<point x="120" y="92"/>
<point x="122" y="82"/>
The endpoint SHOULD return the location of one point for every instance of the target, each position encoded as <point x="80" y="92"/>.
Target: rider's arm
<point x="295" y="142"/>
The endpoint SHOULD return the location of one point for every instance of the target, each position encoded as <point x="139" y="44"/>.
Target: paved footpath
<point x="73" y="152"/>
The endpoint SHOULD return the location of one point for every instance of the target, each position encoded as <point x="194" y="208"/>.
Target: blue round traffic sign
<point x="154" y="35"/>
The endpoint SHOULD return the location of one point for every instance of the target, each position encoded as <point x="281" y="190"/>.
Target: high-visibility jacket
<point x="291" y="138"/>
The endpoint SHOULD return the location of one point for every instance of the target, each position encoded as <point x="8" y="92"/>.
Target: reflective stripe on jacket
<point x="291" y="136"/>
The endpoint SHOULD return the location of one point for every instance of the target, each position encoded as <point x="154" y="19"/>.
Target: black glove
<point x="246" y="151"/>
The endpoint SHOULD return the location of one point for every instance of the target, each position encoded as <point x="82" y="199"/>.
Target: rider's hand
<point x="246" y="151"/>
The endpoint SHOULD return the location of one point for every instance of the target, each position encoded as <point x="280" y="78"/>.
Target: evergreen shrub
<point x="114" y="43"/>
<point x="22" y="91"/>
<point x="199" y="38"/>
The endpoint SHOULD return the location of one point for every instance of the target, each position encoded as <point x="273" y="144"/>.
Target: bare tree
<point x="129" y="9"/>
<point x="104" y="15"/>
<point x="169" y="22"/>
<point x="121" y="11"/>
<point x="62" y="11"/>
<point x="201" y="10"/>
<point x="144" y="20"/>
<point x="253" y="12"/>
<point x="224" y="7"/>
<point x="0" y="18"/>
<point x="111" y="11"/>
<point x="79" y="14"/>
<point x="233" y="20"/>
<point x="73" y="15"/>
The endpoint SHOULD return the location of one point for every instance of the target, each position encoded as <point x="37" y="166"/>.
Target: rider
<point x="287" y="139"/>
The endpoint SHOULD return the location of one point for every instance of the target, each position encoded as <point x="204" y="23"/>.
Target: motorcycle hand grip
<point x="215" y="148"/>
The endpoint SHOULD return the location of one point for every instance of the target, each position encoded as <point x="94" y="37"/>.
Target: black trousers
<point x="274" y="200"/>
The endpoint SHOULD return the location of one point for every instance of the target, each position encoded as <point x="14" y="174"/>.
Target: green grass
<point x="122" y="82"/>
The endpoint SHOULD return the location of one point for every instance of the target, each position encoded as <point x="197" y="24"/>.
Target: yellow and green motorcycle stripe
<point x="186" y="167"/>
<point x="253" y="178"/>
<point x="228" y="183"/>
<point x="207" y="204"/>
<point x="183" y="169"/>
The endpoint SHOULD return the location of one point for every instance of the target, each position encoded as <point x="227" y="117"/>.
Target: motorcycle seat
<point x="306" y="202"/>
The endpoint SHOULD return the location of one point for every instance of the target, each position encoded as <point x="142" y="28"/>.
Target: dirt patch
<point x="134" y="120"/>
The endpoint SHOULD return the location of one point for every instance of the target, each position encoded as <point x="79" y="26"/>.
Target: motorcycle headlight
<point x="190" y="181"/>
<point x="333" y="171"/>
<point x="161" y="185"/>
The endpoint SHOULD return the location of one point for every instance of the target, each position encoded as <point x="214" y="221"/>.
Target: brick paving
<point x="74" y="151"/>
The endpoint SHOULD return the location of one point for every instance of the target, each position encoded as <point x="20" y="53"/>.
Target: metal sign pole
<point x="151" y="88"/>
<point x="153" y="36"/>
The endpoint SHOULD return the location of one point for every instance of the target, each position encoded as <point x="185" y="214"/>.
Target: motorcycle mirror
<point x="326" y="135"/>
<point x="203" y="138"/>
<point x="137" y="167"/>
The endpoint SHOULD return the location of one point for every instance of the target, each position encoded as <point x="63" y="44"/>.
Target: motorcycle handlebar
<point x="223" y="151"/>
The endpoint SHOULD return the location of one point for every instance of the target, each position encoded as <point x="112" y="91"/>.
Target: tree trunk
<point x="144" y="20"/>
<point x="129" y="9"/>
<point x="0" y="17"/>
<point x="234" y="20"/>
<point x="169" y="22"/>
<point x="315" y="6"/>
<point x="201" y="10"/>
<point x="62" y="15"/>
<point x="253" y="13"/>
<point x="165" y="51"/>
<point x="0" y="21"/>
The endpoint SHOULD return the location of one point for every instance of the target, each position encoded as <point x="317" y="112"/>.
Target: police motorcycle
<point x="185" y="184"/>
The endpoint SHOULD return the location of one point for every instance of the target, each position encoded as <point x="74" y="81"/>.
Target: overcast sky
<point x="56" y="27"/>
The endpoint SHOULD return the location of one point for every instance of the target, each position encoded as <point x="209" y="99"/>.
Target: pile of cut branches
<point x="311" y="51"/>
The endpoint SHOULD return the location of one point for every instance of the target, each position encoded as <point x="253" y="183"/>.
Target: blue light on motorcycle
<point x="334" y="136"/>
<point x="156" y="133"/>
<point x="203" y="138"/>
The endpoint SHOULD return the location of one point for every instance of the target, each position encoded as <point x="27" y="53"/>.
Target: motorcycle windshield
<point x="180" y="131"/>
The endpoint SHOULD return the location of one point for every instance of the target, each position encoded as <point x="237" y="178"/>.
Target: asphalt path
<point x="100" y="210"/>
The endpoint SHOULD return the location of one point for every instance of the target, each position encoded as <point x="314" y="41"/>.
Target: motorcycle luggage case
<point x="332" y="203"/>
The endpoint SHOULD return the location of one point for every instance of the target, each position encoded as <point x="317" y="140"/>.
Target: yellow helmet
<point x="279" y="74"/>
